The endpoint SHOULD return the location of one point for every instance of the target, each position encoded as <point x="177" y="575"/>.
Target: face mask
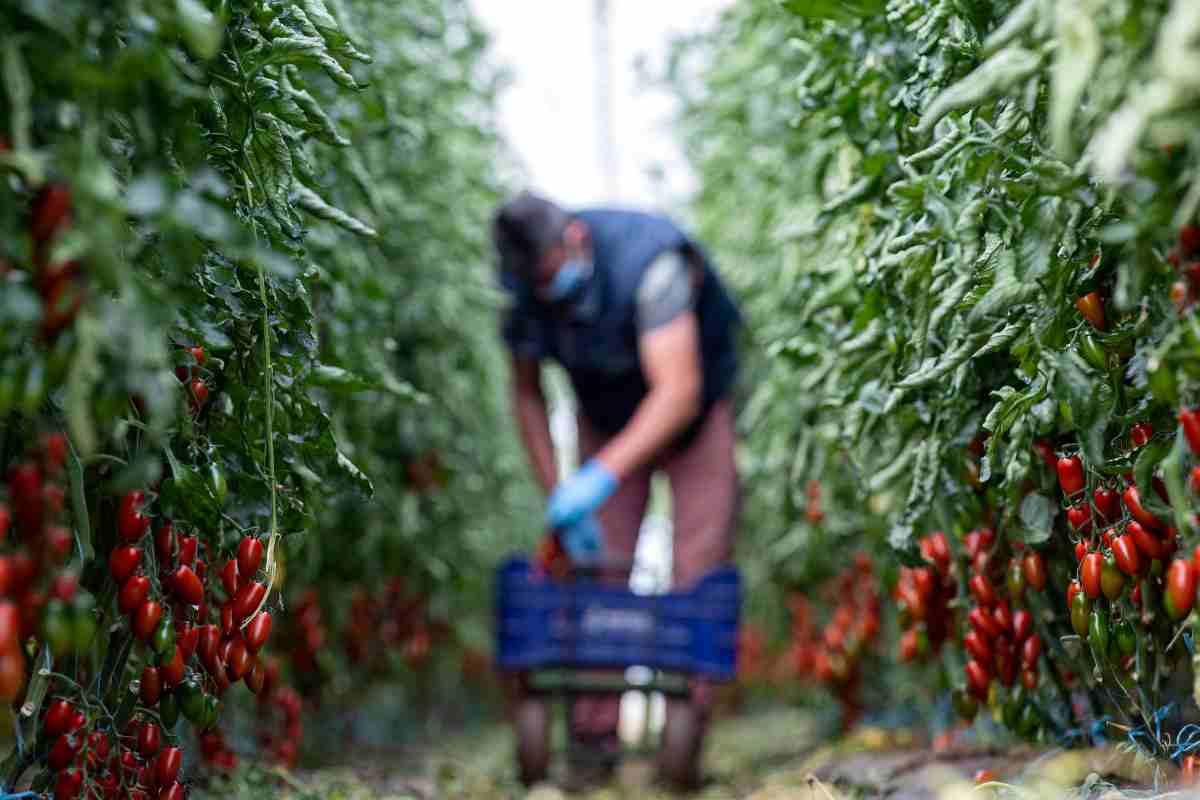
<point x="567" y="281"/>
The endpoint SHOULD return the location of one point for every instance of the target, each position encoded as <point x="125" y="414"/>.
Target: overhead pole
<point x="603" y="99"/>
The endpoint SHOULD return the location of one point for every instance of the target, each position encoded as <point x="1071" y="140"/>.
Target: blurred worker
<point x="635" y="314"/>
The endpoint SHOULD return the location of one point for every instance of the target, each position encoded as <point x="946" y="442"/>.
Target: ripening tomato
<point x="1034" y="568"/>
<point x="1073" y="588"/>
<point x="1091" y="306"/>
<point x="1070" y="475"/>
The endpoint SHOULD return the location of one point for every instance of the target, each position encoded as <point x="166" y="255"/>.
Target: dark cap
<point x="522" y="230"/>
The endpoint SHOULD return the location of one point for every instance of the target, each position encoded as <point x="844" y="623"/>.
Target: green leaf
<point x="1037" y="516"/>
<point x="79" y="509"/>
<point x="842" y="10"/>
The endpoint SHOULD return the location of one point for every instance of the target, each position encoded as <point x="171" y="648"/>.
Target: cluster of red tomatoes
<point x="395" y="616"/>
<point x="280" y="729"/>
<point x="922" y="595"/>
<point x="192" y="377"/>
<point x="1001" y="641"/>
<point x="1185" y="257"/>
<point x="133" y="765"/>
<point x="60" y="284"/>
<point x="35" y="597"/>
<point x="835" y="656"/>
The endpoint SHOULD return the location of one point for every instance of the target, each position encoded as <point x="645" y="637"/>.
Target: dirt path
<point x="778" y="755"/>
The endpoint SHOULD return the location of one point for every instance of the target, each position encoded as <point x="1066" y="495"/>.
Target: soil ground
<point x="776" y="755"/>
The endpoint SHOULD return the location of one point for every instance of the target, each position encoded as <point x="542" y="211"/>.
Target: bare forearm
<point x="534" y="425"/>
<point x="663" y="413"/>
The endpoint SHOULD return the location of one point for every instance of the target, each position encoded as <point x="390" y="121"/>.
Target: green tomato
<point x="168" y="710"/>
<point x="1098" y="632"/>
<point x="1027" y="725"/>
<point x="1092" y="351"/>
<point x="965" y="705"/>
<point x="191" y="701"/>
<point x="216" y="479"/>
<point x="1163" y="383"/>
<point x="83" y="621"/>
<point x="162" y="642"/>
<point x="1126" y="637"/>
<point x="58" y="628"/>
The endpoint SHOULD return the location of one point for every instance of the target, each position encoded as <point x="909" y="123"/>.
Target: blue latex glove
<point x="580" y="495"/>
<point x="584" y="541"/>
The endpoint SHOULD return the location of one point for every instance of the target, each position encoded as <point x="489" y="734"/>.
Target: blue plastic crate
<point x="542" y="623"/>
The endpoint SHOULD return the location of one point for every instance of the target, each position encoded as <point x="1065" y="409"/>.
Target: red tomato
<point x="247" y="600"/>
<point x="1190" y="420"/>
<point x="1134" y="504"/>
<point x="1046" y="452"/>
<point x="151" y="687"/>
<point x="1080" y="517"/>
<point x="209" y="641"/>
<point x="229" y="577"/>
<point x="1002" y="614"/>
<point x="133" y="594"/>
<point x="1031" y="650"/>
<point x="172" y="672"/>
<point x="982" y="622"/>
<point x="67" y="784"/>
<point x="1181" y="588"/>
<point x="978" y="646"/>
<point x="187" y="586"/>
<point x="1089" y="574"/>
<point x="982" y="589"/>
<point x="1108" y="503"/>
<point x="1022" y="625"/>
<point x="249" y="557"/>
<point x="146" y="619"/>
<point x="1140" y="434"/>
<point x="1125" y="551"/>
<point x="978" y="678"/>
<point x="257" y="676"/>
<point x="238" y="661"/>
<point x="166" y="767"/>
<point x="257" y="631"/>
<point x="58" y="718"/>
<point x="123" y="562"/>
<point x="1147" y="543"/>
<point x="149" y="739"/>
<point x="131" y="522"/>
<point x="1070" y="475"/>
<point x="164" y="543"/>
<point x="51" y="209"/>
<point x="199" y="390"/>
<point x="63" y="751"/>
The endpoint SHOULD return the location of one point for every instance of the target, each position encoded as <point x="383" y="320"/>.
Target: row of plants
<point x="235" y="367"/>
<point x="965" y="231"/>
